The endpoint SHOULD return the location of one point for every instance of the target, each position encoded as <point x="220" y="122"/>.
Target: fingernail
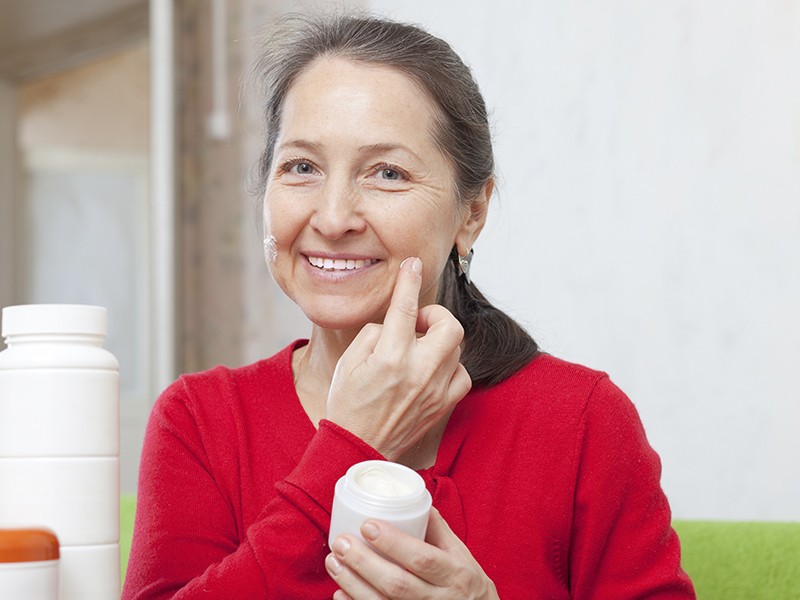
<point x="334" y="566"/>
<point x="341" y="546"/>
<point x="370" y="531"/>
<point x="416" y="264"/>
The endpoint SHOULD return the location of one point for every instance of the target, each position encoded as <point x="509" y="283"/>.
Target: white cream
<point x="380" y="482"/>
<point x="270" y="249"/>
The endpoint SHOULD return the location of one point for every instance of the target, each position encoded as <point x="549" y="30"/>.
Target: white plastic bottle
<point x="59" y="439"/>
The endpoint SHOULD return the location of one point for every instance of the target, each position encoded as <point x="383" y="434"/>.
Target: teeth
<point x="339" y="264"/>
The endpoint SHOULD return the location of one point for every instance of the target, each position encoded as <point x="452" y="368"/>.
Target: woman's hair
<point x="494" y="346"/>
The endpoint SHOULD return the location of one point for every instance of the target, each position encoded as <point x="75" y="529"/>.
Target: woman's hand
<point x="440" y="567"/>
<point x="392" y="385"/>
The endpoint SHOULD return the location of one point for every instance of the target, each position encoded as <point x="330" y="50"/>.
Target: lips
<point x="340" y="264"/>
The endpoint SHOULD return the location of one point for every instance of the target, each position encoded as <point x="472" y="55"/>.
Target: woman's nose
<point x="338" y="210"/>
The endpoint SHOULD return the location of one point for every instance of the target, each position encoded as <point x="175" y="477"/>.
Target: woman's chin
<point x="340" y="324"/>
<point x="343" y="320"/>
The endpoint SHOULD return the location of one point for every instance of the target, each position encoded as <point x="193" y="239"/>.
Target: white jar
<point x="28" y="564"/>
<point x="381" y="490"/>
<point x="59" y="436"/>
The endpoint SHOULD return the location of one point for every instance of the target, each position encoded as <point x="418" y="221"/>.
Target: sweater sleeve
<point x="187" y="543"/>
<point x="623" y="545"/>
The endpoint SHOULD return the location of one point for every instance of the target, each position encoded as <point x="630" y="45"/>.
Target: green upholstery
<point x="127" y="511"/>
<point x="726" y="560"/>
<point x="741" y="560"/>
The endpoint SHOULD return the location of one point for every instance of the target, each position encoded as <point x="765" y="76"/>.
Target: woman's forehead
<point x="372" y="104"/>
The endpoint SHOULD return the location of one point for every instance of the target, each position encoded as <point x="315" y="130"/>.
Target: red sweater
<point x="547" y="477"/>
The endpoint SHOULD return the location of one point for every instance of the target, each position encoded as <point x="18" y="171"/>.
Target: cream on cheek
<point x="271" y="257"/>
<point x="270" y="249"/>
<point x="280" y="227"/>
<point x="270" y="242"/>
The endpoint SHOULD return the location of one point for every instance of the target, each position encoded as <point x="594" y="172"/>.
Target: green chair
<point x="726" y="560"/>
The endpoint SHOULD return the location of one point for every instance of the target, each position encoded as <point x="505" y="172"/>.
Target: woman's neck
<point x="313" y="366"/>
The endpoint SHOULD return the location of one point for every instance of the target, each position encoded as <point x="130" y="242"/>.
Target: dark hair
<point x="494" y="346"/>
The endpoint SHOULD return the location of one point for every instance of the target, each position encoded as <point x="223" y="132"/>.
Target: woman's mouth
<point x="340" y="264"/>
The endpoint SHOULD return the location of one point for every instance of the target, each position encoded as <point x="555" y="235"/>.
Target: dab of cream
<point x="270" y="249"/>
<point x="378" y="481"/>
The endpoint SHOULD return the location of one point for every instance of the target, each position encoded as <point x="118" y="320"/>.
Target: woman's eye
<point x="390" y="174"/>
<point x="302" y="168"/>
<point x="297" y="167"/>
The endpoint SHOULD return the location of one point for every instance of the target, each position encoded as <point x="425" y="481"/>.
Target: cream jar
<point x="28" y="564"/>
<point x="376" y="489"/>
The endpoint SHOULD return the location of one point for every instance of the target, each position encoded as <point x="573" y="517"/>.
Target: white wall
<point x="648" y="222"/>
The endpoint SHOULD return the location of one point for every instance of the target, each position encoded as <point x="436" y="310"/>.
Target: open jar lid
<point x="27" y="545"/>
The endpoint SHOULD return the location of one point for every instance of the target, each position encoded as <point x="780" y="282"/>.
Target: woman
<point x="376" y="176"/>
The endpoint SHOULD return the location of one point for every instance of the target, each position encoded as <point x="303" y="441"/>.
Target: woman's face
<point x="357" y="185"/>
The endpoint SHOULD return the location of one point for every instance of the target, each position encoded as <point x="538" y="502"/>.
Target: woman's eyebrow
<point x="387" y="147"/>
<point x="367" y="149"/>
<point x="299" y="144"/>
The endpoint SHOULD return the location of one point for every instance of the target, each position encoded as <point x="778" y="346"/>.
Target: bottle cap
<point x="27" y="545"/>
<point x="54" y="318"/>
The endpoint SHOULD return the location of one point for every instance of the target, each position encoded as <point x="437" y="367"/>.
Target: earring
<point x="464" y="263"/>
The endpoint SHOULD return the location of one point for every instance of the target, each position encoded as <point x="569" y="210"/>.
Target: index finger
<point x="400" y="322"/>
<point x="427" y="562"/>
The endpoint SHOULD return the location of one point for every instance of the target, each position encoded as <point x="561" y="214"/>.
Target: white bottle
<point x="59" y="439"/>
<point x="381" y="490"/>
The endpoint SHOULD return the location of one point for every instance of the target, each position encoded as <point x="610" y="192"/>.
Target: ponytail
<point x="495" y="346"/>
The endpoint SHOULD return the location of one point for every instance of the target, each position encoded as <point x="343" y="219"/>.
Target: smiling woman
<point x="359" y="182"/>
<point x="376" y="174"/>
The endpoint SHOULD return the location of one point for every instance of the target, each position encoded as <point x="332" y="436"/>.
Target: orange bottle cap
<point x="27" y="545"/>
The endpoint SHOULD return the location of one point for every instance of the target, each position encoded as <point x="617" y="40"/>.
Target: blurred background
<point x="647" y="221"/>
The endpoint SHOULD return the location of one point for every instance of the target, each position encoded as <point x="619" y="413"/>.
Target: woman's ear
<point x="475" y="220"/>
